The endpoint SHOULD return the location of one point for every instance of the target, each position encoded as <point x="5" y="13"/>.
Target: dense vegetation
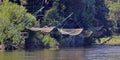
<point x="13" y="20"/>
<point x="17" y="15"/>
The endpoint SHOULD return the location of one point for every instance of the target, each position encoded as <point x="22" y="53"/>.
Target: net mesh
<point x="44" y="29"/>
<point x="92" y="31"/>
<point x="96" y="31"/>
<point x="87" y="33"/>
<point x="70" y="31"/>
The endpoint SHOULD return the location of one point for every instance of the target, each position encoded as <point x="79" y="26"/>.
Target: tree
<point x="52" y="16"/>
<point x="86" y="14"/>
<point x="13" y="20"/>
<point x="114" y="13"/>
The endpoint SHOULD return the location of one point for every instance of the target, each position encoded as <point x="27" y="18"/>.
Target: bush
<point x="49" y="41"/>
<point x="13" y="20"/>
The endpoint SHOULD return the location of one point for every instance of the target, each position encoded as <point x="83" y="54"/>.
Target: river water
<point x="96" y="53"/>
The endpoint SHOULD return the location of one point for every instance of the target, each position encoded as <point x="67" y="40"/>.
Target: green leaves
<point x="48" y="40"/>
<point x="52" y="16"/>
<point x="13" y="20"/>
<point x="114" y="11"/>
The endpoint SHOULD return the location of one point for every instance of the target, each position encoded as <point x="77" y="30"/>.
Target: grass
<point x="114" y="41"/>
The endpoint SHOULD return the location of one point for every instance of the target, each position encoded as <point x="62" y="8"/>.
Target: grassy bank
<point x="114" y="41"/>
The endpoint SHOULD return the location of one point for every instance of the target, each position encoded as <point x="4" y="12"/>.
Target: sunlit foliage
<point x="13" y="20"/>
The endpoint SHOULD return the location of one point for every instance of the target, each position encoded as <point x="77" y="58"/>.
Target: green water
<point x="109" y="53"/>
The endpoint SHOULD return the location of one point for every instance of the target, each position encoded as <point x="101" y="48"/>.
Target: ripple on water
<point x="111" y="53"/>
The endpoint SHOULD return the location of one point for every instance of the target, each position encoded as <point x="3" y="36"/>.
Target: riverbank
<point x="114" y="41"/>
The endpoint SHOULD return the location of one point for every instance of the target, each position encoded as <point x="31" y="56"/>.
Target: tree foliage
<point x="52" y="15"/>
<point x="49" y="41"/>
<point x="86" y="14"/>
<point x="114" y="11"/>
<point x="13" y="20"/>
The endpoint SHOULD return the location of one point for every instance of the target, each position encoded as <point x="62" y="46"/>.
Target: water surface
<point x="98" y="53"/>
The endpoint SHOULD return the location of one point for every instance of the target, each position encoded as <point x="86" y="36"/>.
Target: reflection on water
<point x="111" y="53"/>
<point x="104" y="53"/>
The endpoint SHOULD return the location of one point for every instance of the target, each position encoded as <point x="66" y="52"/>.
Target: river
<point x="96" y="53"/>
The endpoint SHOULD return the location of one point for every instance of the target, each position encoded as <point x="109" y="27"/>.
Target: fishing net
<point x="70" y="31"/>
<point x="44" y="29"/>
<point x="92" y="31"/>
<point x="87" y="33"/>
<point x="96" y="31"/>
<point x="47" y="29"/>
<point x="34" y="29"/>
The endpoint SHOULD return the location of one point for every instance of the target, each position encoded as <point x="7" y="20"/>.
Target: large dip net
<point x="97" y="31"/>
<point x="70" y="31"/>
<point x="44" y="29"/>
<point x="93" y="31"/>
